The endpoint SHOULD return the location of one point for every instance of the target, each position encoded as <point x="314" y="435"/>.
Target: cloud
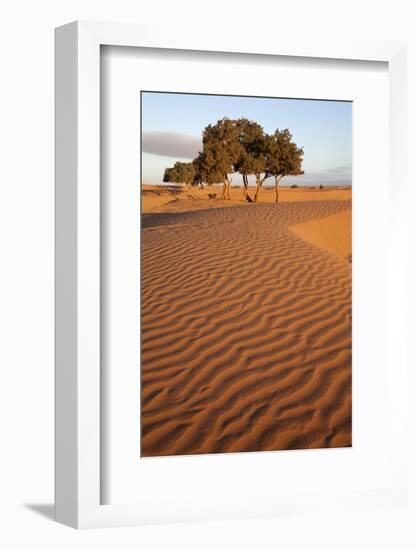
<point x="171" y="144"/>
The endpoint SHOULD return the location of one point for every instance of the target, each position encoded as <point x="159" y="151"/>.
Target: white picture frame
<point x="78" y="406"/>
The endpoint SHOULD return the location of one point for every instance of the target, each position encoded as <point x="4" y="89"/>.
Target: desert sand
<point x="246" y="321"/>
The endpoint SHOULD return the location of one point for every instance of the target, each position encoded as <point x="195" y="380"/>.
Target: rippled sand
<point x="246" y="326"/>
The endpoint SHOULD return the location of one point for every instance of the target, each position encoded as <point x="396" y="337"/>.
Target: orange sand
<point x="246" y="322"/>
<point x="333" y="233"/>
<point x="163" y="198"/>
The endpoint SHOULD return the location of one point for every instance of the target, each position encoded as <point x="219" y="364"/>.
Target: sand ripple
<point x="246" y="332"/>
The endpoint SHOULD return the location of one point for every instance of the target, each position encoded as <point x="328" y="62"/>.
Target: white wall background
<point x="26" y="268"/>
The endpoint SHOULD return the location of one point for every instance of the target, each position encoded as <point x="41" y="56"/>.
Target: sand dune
<point x="246" y="327"/>
<point x="332" y="233"/>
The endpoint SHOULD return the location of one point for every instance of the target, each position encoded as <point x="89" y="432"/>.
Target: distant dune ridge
<point x="246" y="321"/>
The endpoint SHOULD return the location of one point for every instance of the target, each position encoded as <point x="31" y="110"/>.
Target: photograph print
<point x="246" y="274"/>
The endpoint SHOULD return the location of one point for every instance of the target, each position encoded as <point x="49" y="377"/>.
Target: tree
<point x="188" y="173"/>
<point x="283" y="157"/>
<point x="242" y="146"/>
<point x="168" y="174"/>
<point x="221" y="151"/>
<point x="181" y="172"/>
<point x="204" y="172"/>
<point x="259" y="154"/>
<point x="250" y="133"/>
<point x="253" y="156"/>
<point x="199" y="175"/>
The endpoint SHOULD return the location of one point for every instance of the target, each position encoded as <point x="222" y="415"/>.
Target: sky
<point x="172" y="125"/>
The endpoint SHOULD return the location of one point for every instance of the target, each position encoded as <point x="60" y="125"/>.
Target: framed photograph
<point x="229" y="329"/>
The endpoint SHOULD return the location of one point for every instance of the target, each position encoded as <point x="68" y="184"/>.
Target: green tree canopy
<point x="221" y="152"/>
<point x="242" y="146"/>
<point x="251" y="160"/>
<point x="283" y="158"/>
<point x="205" y="171"/>
<point x="181" y="172"/>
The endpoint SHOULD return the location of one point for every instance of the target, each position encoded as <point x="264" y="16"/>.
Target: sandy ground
<point x="246" y="322"/>
<point x="170" y="198"/>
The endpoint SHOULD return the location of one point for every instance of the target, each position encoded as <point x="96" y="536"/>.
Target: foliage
<point x="205" y="172"/>
<point x="284" y="158"/>
<point x="221" y="151"/>
<point x="252" y="159"/>
<point x="242" y="146"/>
<point x="221" y="147"/>
<point x="182" y="172"/>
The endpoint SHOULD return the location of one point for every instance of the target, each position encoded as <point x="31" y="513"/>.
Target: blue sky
<point x="172" y="125"/>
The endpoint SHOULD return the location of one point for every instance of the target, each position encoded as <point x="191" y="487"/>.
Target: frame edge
<point x="77" y="488"/>
<point x="66" y="346"/>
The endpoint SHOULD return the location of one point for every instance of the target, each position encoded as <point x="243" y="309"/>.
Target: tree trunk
<point x="226" y="189"/>
<point x="277" y="180"/>
<point x="258" y="188"/>
<point x="245" y="188"/>
<point x="223" y="195"/>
